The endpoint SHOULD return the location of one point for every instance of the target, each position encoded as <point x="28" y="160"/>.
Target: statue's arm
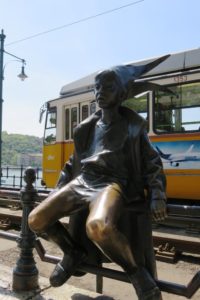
<point x="154" y="178"/>
<point x="66" y="173"/>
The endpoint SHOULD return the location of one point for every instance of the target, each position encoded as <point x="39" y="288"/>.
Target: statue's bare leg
<point x="58" y="204"/>
<point x="102" y="230"/>
<point x="101" y="227"/>
<point x="44" y="218"/>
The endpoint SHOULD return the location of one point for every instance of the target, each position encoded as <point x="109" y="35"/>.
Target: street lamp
<point x="22" y="76"/>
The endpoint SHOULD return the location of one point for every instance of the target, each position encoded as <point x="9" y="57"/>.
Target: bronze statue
<point x="112" y="166"/>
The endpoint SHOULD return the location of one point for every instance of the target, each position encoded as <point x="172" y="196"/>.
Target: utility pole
<point x="22" y="76"/>
<point x="2" y="38"/>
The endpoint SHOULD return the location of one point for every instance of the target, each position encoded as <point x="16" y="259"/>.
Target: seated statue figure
<point x="114" y="166"/>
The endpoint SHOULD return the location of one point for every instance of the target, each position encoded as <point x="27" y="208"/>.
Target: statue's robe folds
<point x="146" y="183"/>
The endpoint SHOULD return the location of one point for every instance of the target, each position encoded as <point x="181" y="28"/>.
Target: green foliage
<point x="137" y="104"/>
<point x="15" y="144"/>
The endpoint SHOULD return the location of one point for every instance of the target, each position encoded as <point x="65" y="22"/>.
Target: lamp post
<point x="22" y="76"/>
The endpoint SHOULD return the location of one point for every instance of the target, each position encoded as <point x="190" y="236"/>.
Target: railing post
<point x="25" y="274"/>
<point x="21" y="176"/>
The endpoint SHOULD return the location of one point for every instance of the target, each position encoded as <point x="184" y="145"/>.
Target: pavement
<point x="65" y="292"/>
<point x="45" y="292"/>
<point x="82" y="288"/>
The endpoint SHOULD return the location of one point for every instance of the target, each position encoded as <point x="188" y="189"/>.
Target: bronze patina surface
<point x="113" y="164"/>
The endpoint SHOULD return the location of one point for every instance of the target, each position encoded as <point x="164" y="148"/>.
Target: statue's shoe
<point x="145" y="285"/>
<point x="66" y="268"/>
<point x="153" y="294"/>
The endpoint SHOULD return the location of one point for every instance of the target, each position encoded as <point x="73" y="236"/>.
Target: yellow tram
<point x="172" y="112"/>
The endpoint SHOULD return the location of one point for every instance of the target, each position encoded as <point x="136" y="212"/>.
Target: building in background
<point x="30" y="159"/>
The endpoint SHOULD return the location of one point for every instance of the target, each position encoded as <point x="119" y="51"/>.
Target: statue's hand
<point x="159" y="210"/>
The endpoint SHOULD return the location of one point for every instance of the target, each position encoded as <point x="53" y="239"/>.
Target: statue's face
<point x="107" y="90"/>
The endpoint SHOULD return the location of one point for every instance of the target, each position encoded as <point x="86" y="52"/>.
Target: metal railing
<point x="12" y="177"/>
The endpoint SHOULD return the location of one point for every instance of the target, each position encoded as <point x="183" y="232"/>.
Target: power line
<point x="75" y="22"/>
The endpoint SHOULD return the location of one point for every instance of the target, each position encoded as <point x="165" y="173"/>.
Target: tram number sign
<point x="180" y="78"/>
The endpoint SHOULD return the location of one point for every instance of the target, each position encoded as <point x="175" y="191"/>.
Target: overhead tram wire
<point x="76" y="22"/>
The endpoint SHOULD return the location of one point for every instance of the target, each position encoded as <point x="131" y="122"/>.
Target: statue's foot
<point x="153" y="294"/>
<point x="65" y="269"/>
<point x="145" y="285"/>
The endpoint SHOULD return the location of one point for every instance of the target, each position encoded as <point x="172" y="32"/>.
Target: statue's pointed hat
<point x="129" y="73"/>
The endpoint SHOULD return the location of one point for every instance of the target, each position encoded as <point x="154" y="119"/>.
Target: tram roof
<point x="177" y="61"/>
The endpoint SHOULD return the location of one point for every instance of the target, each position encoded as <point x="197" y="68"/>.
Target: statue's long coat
<point x="147" y="183"/>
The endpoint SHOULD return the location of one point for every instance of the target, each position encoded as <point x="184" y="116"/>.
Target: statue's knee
<point x="35" y="223"/>
<point x="97" y="230"/>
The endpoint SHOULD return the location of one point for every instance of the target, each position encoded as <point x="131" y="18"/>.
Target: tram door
<point x="52" y="149"/>
<point x="87" y="108"/>
<point x="74" y="114"/>
<point x="71" y="120"/>
<point x="84" y="110"/>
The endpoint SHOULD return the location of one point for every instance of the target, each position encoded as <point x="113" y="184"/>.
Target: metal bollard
<point x="25" y="273"/>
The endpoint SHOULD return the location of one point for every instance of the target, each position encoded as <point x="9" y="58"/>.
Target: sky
<point x="83" y="44"/>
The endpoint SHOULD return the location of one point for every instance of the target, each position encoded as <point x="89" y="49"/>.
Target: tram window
<point x="92" y="107"/>
<point x="50" y="127"/>
<point x="67" y="124"/>
<point x="139" y="105"/>
<point x="178" y="112"/>
<point x="189" y="124"/>
<point x="84" y="111"/>
<point x="74" y="119"/>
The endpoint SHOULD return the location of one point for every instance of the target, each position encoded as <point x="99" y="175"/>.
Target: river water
<point x="12" y="177"/>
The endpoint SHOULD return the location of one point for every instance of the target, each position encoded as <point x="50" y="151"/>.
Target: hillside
<point x="13" y="145"/>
